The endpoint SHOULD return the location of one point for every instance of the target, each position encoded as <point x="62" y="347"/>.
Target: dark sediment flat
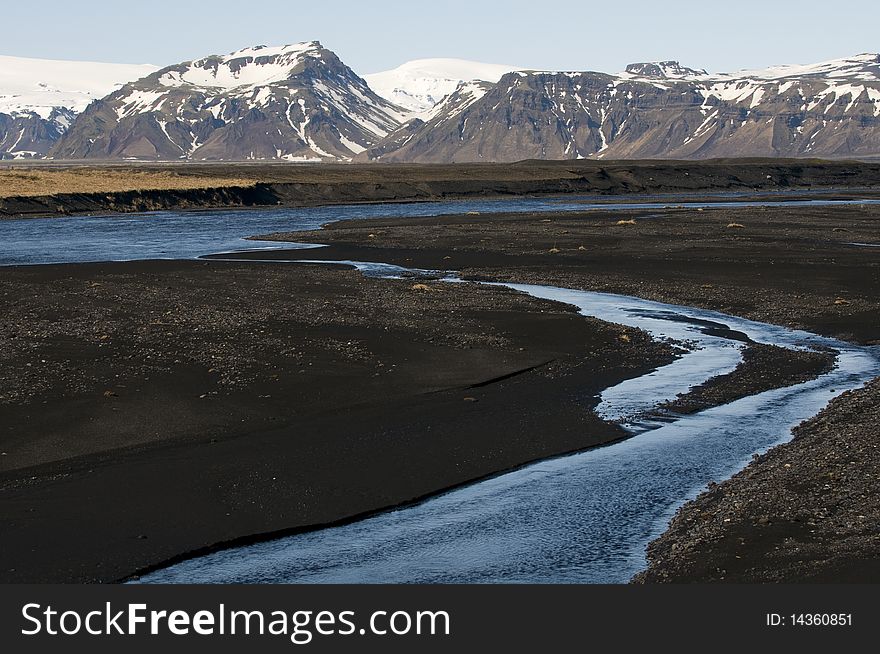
<point x="282" y="184"/>
<point x="807" y="511"/>
<point x="793" y="266"/>
<point x="152" y="409"/>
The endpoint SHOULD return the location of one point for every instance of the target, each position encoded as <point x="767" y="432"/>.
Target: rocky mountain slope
<point x="654" y="110"/>
<point x="297" y="102"/>
<point x="40" y="98"/>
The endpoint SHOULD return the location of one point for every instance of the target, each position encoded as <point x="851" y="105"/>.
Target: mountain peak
<point x="263" y="51"/>
<point x="251" y="67"/>
<point x="296" y="102"/>
<point x="663" y="70"/>
<point x="42" y="85"/>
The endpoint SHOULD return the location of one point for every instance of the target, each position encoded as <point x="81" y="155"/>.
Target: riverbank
<point x="804" y="512"/>
<point x="40" y="189"/>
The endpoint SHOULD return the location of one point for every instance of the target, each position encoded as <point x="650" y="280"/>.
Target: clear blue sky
<point x="373" y="36"/>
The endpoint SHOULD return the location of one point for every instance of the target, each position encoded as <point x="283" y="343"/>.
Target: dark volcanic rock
<point x="662" y="70"/>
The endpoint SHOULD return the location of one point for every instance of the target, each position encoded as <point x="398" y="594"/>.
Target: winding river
<point x="582" y="518"/>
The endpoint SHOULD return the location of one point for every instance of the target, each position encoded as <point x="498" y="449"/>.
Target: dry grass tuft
<point x="626" y="222"/>
<point x="736" y="226"/>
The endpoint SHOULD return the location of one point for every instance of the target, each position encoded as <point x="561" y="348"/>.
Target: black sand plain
<point x="155" y="409"/>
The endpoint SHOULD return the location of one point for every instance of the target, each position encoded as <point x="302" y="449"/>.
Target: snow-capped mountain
<point x="419" y="85"/>
<point x="657" y="110"/>
<point x="39" y="98"/>
<point x="301" y="103"/>
<point x="296" y="102"/>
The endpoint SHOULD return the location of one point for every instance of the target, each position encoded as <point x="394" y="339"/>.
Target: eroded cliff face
<point x="279" y="184"/>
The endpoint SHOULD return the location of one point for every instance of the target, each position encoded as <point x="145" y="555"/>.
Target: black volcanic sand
<point x="791" y="266"/>
<point x="808" y="510"/>
<point x="152" y="409"/>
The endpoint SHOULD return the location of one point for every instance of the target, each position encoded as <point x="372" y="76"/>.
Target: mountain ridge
<point x="300" y="102"/>
<point x="659" y="110"/>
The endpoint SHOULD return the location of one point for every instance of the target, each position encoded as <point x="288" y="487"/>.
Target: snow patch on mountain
<point x="464" y="95"/>
<point x="828" y="82"/>
<point x="418" y="86"/>
<point x="864" y="66"/>
<point x="40" y="86"/>
<point x="245" y="69"/>
<point x="662" y="70"/>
